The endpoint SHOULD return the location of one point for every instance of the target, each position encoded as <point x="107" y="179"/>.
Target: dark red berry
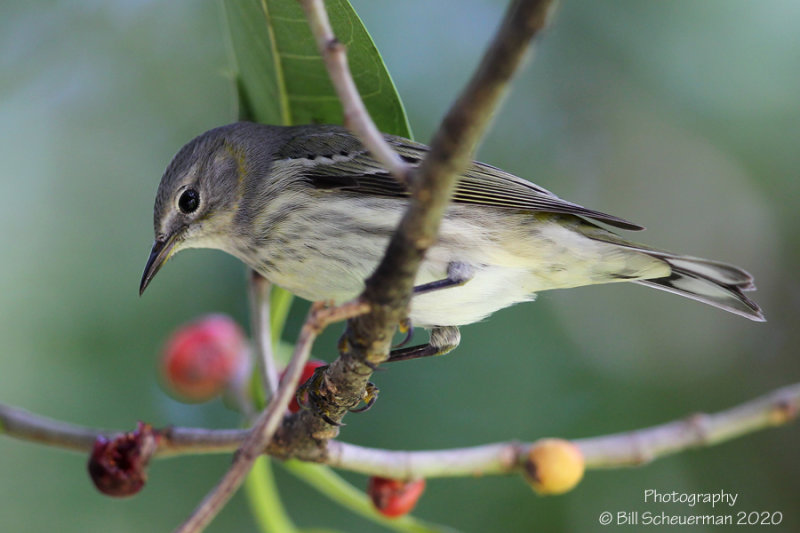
<point x="308" y="371"/>
<point x="118" y="466"/>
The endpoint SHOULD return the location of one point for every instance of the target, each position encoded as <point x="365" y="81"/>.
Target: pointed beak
<point x="162" y="250"/>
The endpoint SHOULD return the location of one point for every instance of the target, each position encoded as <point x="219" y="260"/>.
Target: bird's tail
<point x="711" y="282"/>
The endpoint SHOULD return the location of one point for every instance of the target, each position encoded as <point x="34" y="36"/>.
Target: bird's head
<point x="198" y="195"/>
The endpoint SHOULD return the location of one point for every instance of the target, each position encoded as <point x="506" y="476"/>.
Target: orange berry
<point x="554" y="466"/>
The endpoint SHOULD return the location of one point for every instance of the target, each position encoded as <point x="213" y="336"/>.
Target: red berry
<point x="118" y="466"/>
<point x="308" y="371"/>
<point x="202" y="357"/>
<point x="393" y="497"/>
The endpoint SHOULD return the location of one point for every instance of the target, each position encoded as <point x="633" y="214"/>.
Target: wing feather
<point x="349" y="168"/>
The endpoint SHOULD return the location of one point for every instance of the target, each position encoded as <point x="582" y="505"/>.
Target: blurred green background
<point x="683" y="116"/>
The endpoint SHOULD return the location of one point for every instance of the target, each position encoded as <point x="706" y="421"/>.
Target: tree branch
<point x="267" y="423"/>
<point x="451" y="150"/>
<point x="642" y="446"/>
<point x="618" y="450"/>
<point x="630" y="448"/>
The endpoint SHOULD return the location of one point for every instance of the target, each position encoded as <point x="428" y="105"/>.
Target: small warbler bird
<point x="309" y="209"/>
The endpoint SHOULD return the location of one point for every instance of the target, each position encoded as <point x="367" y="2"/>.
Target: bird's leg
<point x="370" y="396"/>
<point x="457" y="275"/>
<point x="443" y="338"/>
<point x="309" y="397"/>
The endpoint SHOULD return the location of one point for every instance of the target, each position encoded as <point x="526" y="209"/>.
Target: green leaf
<point x="281" y="77"/>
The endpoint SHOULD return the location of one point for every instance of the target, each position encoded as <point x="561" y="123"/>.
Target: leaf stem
<point x="265" y="504"/>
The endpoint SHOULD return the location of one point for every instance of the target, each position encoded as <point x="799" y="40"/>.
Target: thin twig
<point x="618" y="450"/>
<point x="451" y="152"/>
<point x="267" y="423"/>
<point x="259" y="289"/>
<point x="24" y="425"/>
<point x="642" y="446"/>
<point x="368" y="337"/>
<point x="356" y="117"/>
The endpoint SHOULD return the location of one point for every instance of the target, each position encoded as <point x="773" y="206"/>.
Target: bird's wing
<point x="343" y="165"/>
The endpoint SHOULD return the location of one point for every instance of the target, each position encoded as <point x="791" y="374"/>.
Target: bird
<point x="309" y="209"/>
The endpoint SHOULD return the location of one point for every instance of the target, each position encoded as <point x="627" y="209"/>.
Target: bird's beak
<point x="162" y="250"/>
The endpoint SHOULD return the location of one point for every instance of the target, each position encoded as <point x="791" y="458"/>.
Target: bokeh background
<point x="683" y="116"/>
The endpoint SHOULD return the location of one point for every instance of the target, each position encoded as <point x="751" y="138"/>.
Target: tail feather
<point x="710" y="282"/>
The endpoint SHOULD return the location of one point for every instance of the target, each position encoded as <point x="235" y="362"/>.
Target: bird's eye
<point x="189" y="201"/>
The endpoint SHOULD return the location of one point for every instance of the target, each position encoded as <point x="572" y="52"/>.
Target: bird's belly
<point x="491" y="289"/>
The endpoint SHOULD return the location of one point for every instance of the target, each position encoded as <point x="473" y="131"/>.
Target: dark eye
<point x="189" y="201"/>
